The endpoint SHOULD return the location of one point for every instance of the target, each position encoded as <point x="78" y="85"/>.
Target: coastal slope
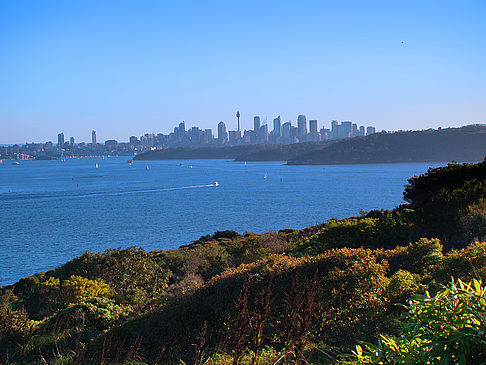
<point x="442" y="145"/>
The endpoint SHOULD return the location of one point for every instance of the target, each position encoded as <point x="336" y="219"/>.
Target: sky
<point x="127" y="68"/>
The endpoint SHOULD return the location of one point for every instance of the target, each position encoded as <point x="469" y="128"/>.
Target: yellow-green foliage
<point x="14" y="323"/>
<point x="85" y="288"/>
<point x="52" y="282"/>
<point x="351" y="232"/>
<point x="447" y="328"/>
<point x="374" y="230"/>
<point x="76" y="288"/>
<point x="419" y="257"/>
<point x="402" y="285"/>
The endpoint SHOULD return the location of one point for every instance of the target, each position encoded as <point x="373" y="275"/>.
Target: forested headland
<point x="432" y="145"/>
<point x="386" y="287"/>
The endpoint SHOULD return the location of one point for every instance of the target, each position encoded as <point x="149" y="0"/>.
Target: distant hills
<point x="433" y="145"/>
<point x="240" y="153"/>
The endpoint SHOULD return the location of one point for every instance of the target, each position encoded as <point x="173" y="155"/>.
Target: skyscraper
<point x="256" y="124"/>
<point x="182" y="128"/>
<point x="93" y="137"/>
<point x="71" y="141"/>
<point x="286" y="127"/>
<point x="238" y="117"/>
<point x="301" y="127"/>
<point x="347" y="129"/>
<point x="313" y="129"/>
<point x="361" y="131"/>
<point x="334" y="129"/>
<point x="277" y="127"/>
<point x="263" y="135"/>
<point x="370" y="130"/>
<point x="222" y="135"/>
<point x="60" y="139"/>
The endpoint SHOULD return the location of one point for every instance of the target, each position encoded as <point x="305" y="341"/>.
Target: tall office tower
<point x="370" y="130"/>
<point x="347" y="129"/>
<point x="256" y="124"/>
<point x="182" y="128"/>
<point x="71" y="141"/>
<point x="60" y="139"/>
<point x="222" y="135"/>
<point x="263" y="135"/>
<point x="286" y="131"/>
<point x="313" y="129"/>
<point x="238" y="117"/>
<point x="355" y="131"/>
<point x="277" y="127"/>
<point x="93" y="137"/>
<point x="334" y="129"/>
<point x="301" y="127"/>
<point x="361" y="131"/>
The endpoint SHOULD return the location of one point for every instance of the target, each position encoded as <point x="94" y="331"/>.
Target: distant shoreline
<point x="442" y="145"/>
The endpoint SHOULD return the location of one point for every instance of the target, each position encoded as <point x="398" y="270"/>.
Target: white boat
<point x="265" y="176"/>
<point x="146" y="167"/>
<point x="16" y="163"/>
<point x="96" y="166"/>
<point x="215" y="183"/>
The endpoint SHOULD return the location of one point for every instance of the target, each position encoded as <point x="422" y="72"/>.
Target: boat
<point x="96" y="166"/>
<point x="16" y="163"/>
<point x="146" y="167"/>
<point x="130" y="161"/>
<point x="215" y="183"/>
<point x="265" y="176"/>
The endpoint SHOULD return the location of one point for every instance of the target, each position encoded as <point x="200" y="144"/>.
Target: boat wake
<point x="16" y="196"/>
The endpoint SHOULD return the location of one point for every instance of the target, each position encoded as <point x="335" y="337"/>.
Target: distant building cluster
<point x="281" y="133"/>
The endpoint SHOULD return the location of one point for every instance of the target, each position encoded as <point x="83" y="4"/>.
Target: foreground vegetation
<point x="390" y="287"/>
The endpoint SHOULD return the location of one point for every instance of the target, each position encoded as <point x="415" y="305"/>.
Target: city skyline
<point x="124" y="69"/>
<point x="282" y="129"/>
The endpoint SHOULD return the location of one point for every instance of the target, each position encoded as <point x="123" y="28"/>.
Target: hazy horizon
<point x="124" y="68"/>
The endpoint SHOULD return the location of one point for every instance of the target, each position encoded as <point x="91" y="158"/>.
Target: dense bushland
<point x="291" y="296"/>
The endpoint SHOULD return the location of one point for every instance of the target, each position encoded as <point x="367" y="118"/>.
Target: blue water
<point x="52" y="211"/>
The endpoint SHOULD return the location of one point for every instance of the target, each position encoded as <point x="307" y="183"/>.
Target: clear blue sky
<point x="131" y="67"/>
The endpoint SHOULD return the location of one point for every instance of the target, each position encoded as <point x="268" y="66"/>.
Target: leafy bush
<point x="441" y="199"/>
<point x="373" y="230"/>
<point x="403" y="284"/>
<point x="83" y="288"/>
<point x="419" y="257"/>
<point x="447" y="328"/>
<point x="131" y="273"/>
<point x="14" y="323"/>
<point x="466" y="264"/>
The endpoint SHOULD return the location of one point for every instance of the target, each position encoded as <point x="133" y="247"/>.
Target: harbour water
<point x="52" y="211"/>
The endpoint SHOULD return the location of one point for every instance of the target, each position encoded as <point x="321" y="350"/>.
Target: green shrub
<point x="447" y="328"/>
<point x="133" y="275"/>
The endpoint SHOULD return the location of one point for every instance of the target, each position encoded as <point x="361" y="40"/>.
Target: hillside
<point x="239" y="153"/>
<point x="443" y="145"/>
<point x="291" y="297"/>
